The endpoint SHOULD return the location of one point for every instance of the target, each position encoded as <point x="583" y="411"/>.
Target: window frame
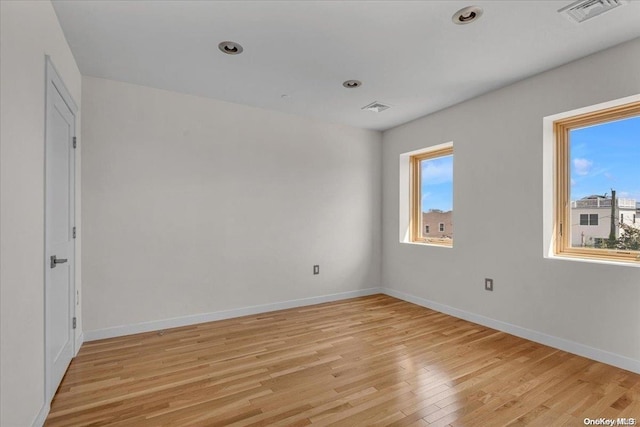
<point x="415" y="207"/>
<point x="562" y="202"/>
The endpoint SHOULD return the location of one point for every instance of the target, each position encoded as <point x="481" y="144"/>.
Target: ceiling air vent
<point x="582" y="10"/>
<point x="376" y="107"/>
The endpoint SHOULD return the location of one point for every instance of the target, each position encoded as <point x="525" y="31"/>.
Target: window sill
<point x="435" y="245"/>
<point x="629" y="263"/>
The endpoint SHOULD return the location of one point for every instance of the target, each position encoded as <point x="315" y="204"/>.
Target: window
<point x="588" y="219"/>
<point x="432" y="195"/>
<point x="584" y="219"/>
<point x="596" y="178"/>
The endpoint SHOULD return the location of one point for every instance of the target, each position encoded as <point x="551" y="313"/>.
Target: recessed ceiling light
<point x="376" y="107"/>
<point x="467" y="15"/>
<point x="230" y="48"/>
<point x="351" y="84"/>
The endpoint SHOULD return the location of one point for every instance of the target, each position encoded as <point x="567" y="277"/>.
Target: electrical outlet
<point x="488" y="284"/>
<point x="316" y="269"/>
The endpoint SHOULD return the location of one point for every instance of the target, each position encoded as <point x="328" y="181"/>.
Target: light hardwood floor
<point x="360" y="362"/>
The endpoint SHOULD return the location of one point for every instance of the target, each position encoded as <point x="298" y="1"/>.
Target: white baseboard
<point x="599" y="355"/>
<point x="603" y="356"/>
<point x="78" y="343"/>
<point x="42" y="415"/>
<point x="175" y="322"/>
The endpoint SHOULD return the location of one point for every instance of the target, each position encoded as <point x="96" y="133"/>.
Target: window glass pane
<point x="604" y="183"/>
<point x="436" y="196"/>
<point x="584" y="219"/>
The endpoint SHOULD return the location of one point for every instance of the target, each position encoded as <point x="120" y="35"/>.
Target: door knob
<point x="55" y="261"/>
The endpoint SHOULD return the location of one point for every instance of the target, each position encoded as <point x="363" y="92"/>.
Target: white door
<point x="59" y="230"/>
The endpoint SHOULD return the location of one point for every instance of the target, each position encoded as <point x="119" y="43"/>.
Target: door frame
<point x="53" y="81"/>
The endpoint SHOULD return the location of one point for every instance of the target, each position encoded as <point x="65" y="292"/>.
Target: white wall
<point x="192" y="205"/>
<point x="498" y="213"/>
<point x="28" y="31"/>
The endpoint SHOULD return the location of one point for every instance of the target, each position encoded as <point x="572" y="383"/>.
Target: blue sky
<point x="437" y="184"/>
<point x="605" y="157"/>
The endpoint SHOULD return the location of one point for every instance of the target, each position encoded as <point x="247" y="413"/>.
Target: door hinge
<point x="74" y="232"/>
<point x="75" y="142"/>
<point x="560" y="229"/>
<point x="74" y="323"/>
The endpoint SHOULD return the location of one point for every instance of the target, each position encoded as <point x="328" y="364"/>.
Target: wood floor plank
<point x="370" y="361"/>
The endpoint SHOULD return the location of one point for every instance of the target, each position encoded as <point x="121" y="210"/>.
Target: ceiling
<point x="408" y="54"/>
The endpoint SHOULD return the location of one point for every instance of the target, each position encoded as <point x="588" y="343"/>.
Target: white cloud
<point x="582" y="166"/>
<point x="437" y="171"/>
